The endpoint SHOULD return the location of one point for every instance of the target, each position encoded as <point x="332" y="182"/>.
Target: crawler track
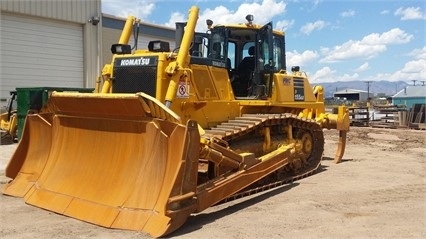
<point x="246" y="129"/>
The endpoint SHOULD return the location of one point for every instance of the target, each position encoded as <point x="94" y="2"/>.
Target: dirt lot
<point x="378" y="191"/>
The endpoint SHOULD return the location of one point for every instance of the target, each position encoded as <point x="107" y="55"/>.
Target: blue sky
<point x="330" y="40"/>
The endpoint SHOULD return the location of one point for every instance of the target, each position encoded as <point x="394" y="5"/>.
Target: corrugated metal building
<point x="49" y="43"/>
<point x="414" y="94"/>
<point x="352" y="95"/>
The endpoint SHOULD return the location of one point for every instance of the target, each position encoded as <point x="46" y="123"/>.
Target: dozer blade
<point x="30" y="156"/>
<point x="119" y="161"/>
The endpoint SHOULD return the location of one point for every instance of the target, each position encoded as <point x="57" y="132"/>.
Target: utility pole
<point x="368" y="89"/>
<point x="368" y="93"/>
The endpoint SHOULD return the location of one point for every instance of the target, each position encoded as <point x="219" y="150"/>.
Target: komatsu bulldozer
<point x="170" y="133"/>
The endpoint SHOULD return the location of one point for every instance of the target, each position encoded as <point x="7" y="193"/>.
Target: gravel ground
<point x="378" y="191"/>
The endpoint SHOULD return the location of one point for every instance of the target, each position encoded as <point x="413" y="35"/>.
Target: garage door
<point x="38" y="52"/>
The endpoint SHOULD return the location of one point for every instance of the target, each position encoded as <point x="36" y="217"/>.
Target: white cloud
<point x="175" y="17"/>
<point x="284" y="25"/>
<point x="418" y="53"/>
<point x="309" y="8"/>
<point x="412" y="70"/>
<point x="348" y="13"/>
<point x="410" y="13"/>
<point x="141" y="9"/>
<point x="363" y="67"/>
<point x="312" y="26"/>
<point x="316" y="3"/>
<point x="415" y="66"/>
<point x="324" y="74"/>
<point x="385" y="12"/>
<point x="347" y="77"/>
<point x="368" y="47"/>
<point x="351" y="49"/>
<point x="300" y="59"/>
<point x="262" y="11"/>
<point x="394" y="36"/>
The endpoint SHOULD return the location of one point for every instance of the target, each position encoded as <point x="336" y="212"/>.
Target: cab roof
<point x="248" y="27"/>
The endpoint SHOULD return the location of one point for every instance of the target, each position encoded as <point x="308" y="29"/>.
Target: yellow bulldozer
<point x="9" y="121"/>
<point x="169" y="133"/>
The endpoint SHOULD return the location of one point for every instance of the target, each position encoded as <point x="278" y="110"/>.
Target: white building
<point x="353" y="95"/>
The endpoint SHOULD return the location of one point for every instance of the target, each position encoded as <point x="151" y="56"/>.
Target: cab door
<point x="264" y="70"/>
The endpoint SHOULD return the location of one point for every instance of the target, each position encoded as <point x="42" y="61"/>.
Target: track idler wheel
<point x="306" y="142"/>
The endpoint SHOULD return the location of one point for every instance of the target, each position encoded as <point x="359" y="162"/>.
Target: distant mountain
<point x="387" y="88"/>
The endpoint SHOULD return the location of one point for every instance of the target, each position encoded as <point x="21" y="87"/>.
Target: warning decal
<point x="183" y="90"/>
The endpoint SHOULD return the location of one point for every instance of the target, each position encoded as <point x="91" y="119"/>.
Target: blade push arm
<point x="179" y="68"/>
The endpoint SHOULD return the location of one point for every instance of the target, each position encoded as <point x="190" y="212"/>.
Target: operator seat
<point x="246" y="67"/>
<point x="244" y="74"/>
<point x="217" y="51"/>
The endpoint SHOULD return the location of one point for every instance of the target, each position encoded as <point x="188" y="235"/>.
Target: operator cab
<point x="251" y="53"/>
